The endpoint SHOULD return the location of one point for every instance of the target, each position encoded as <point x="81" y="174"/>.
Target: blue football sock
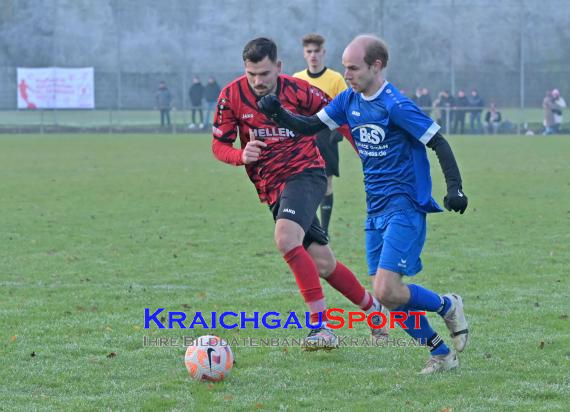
<point x="445" y="307"/>
<point x="424" y="299"/>
<point x="425" y="334"/>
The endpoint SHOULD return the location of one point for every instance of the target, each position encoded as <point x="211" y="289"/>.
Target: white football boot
<point x="456" y="322"/>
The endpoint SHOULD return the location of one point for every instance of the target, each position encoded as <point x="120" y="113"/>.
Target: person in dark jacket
<point x="196" y="94"/>
<point x="476" y="104"/>
<point x="424" y="101"/>
<point x="163" y="103"/>
<point x="460" y="106"/>
<point x="211" y="94"/>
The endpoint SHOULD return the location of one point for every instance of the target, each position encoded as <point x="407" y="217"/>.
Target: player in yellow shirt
<point x="332" y="83"/>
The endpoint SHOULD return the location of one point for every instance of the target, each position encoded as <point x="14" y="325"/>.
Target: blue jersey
<point x="390" y="133"/>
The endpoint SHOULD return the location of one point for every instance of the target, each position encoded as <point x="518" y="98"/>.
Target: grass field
<point x="95" y="228"/>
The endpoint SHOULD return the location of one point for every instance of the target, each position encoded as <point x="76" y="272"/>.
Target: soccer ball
<point x="209" y="359"/>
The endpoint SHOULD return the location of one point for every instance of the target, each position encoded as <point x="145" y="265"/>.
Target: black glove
<point x="270" y="106"/>
<point x="455" y="200"/>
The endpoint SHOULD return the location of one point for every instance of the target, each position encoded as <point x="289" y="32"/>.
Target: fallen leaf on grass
<point x="13" y="338"/>
<point x="111" y="355"/>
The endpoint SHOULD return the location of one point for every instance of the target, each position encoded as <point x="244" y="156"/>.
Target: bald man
<point x="390" y="134"/>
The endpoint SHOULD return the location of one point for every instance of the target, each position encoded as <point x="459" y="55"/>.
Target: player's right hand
<point x="252" y="151"/>
<point x="270" y="105"/>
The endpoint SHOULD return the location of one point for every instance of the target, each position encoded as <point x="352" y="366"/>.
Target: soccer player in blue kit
<point x="390" y="134"/>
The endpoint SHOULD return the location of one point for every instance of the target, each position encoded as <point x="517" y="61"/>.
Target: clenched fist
<point x="455" y="200"/>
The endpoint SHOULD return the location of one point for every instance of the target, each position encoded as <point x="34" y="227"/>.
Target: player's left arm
<point x="304" y="125"/>
<point x="409" y="117"/>
<point x="455" y="199"/>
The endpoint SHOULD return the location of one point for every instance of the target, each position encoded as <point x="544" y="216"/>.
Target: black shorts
<point x="299" y="202"/>
<point x="327" y="142"/>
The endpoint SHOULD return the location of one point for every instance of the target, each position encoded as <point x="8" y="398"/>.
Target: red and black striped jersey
<point x="286" y="154"/>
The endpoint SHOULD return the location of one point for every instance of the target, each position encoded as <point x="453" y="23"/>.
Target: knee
<point x="285" y="242"/>
<point x="383" y="293"/>
<point x="388" y="295"/>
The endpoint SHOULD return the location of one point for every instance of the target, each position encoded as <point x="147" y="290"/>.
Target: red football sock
<point x="307" y="276"/>
<point x="343" y="280"/>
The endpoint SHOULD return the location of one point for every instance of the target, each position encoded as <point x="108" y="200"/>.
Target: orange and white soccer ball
<point x="209" y="359"/>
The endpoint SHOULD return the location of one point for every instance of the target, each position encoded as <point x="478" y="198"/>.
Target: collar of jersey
<point x="375" y="95"/>
<point x="316" y="75"/>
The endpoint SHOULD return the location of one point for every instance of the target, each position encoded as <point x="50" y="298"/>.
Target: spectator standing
<point x="461" y="104"/>
<point x="196" y="94"/>
<point x="549" y="107"/>
<point x="163" y="103"/>
<point x="476" y="104"/>
<point x="557" y="112"/>
<point x="416" y="97"/>
<point x="443" y="107"/>
<point x="493" y="119"/>
<point x="211" y="96"/>
<point x="424" y="101"/>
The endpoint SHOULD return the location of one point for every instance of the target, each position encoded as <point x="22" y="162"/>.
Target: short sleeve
<point x="409" y="117"/>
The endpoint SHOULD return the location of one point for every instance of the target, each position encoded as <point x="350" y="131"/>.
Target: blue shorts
<point x="394" y="241"/>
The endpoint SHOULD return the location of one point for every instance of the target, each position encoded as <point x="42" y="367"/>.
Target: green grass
<point x="95" y="228"/>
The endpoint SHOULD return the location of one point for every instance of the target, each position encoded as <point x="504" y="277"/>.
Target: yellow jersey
<point x="329" y="81"/>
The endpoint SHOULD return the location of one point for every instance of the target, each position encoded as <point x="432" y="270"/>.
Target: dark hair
<point x="260" y="48"/>
<point x="374" y="50"/>
<point x="313" y="38"/>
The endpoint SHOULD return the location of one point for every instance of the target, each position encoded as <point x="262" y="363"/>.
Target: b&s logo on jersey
<point x="370" y="133"/>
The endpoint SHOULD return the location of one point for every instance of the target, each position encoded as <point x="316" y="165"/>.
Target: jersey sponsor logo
<point x="370" y="133"/>
<point x="355" y="113"/>
<point x="247" y="116"/>
<point x="272" y="132"/>
<point x="286" y="210"/>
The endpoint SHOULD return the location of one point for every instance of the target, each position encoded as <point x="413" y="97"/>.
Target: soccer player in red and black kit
<point x="288" y="173"/>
